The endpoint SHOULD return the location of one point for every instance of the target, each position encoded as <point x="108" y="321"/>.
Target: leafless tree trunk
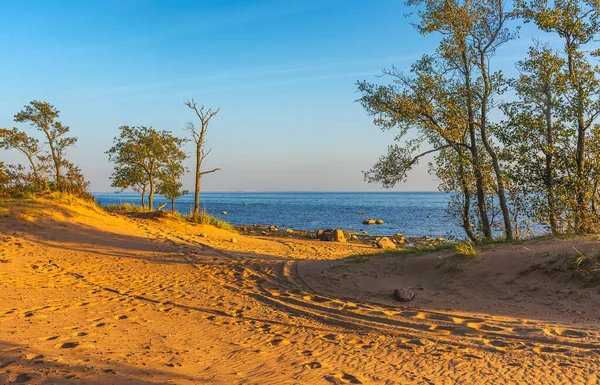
<point x="199" y="135"/>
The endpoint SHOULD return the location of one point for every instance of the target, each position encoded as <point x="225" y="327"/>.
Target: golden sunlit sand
<point x="90" y="297"/>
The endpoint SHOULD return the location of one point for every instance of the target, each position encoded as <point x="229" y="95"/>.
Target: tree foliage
<point x="538" y="164"/>
<point x="146" y="158"/>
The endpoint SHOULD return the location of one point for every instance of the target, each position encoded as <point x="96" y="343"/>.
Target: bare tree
<point x="199" y="137"/>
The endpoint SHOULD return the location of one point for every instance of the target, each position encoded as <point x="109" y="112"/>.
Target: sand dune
<point x="87" y="297"/>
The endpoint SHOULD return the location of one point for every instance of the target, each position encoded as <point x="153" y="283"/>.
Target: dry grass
<point x="586" y="266"/>
<point x="466" y="249"/>
<point x="204" y="218"/>
<point x="124" y="208"/>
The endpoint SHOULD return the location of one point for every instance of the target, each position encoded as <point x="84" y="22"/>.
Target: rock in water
<point x="404" y="295"/>
<point x="385" y="243"/>
<point x="369" y="221"/>
<point x="224" y="212"/>
<point x="379" y="222"/>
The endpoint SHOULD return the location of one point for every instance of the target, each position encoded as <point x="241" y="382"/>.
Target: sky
<point x="283" y="73"/>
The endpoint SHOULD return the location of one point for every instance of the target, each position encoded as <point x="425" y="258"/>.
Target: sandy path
<point x="97" y="299"/>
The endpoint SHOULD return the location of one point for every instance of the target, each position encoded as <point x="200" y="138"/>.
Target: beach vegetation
<point x="47" y="168"/>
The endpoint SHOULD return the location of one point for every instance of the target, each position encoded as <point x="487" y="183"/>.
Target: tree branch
<point x="208" y="172"/>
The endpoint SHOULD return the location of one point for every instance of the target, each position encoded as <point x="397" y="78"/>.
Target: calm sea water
<point x="415" y="214"/>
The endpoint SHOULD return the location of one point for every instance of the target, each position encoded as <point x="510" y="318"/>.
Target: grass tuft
<point x="586" y="266"/>
<point x="466" y="248"/>
<point x="204" y="218"/>
<point x="125" y="208"/>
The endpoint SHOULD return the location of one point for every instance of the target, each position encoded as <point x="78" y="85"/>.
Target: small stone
<point x="289" y="231"/>
<point x="233" y="240"/>
<point x="273" y="228"/>
<point x="404" y="295"/>
<point x="203" y="235"/>
<point x="224" y="212"/>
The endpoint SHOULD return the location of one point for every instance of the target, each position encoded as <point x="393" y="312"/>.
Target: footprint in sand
<point x="343" y="378"/>
<point x="67" y="345"/>
<point x="565" y="333"/>
<point x="312" y="365"/>
<point x="279" y="340"/>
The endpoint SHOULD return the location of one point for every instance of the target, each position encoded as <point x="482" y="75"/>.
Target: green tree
<point x="170" y="185"/>
<point x="430" y="104"/>
<point x="133" y="177"/>
<point x="577" y="23"/>
<point x="43" y="116"/>
<point x="453" y="93"/>
<point x="28" y="146"/>
<point x="199" y="138"/>
<point x="143" y="149"/>
<point x="535" y="125"/>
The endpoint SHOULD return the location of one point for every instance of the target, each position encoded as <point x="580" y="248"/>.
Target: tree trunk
<point x="36" y="175"/>
<point x="56" y="163"/>
<point x="143" y="199"/>
<point x="508" y="231"/>
<point x="499" y="182"/>
<point x="172" y="205"/>
<point x="485" y="223"/>
<point x="581" y="208"/>
<point x="151" y="195"/>
<point x="550" y="166"/>
<point x="466" y="223"/>
<point x="198" y="176"/>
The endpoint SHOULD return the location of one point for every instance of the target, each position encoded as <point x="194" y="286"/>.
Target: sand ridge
<point x="87" y="297"/>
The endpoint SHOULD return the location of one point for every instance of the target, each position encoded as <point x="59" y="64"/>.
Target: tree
<point x="43" y="116"/>
<point x="131" y="176"/>
<point x="430" y="103"/>
<point x="577" y="23"/>
<point x="143" y="149"/>
<point x="28" y="146"/>
<point x="170" y="186"/>
<point x="535" y="125"/>
<point x="448" y="101"/>
<point x="199" y="138"/>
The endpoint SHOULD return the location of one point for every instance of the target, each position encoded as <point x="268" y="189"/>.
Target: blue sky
<point x="283" y="73"/>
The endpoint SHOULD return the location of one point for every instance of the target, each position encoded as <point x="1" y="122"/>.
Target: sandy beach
<point x="89" y="297"/>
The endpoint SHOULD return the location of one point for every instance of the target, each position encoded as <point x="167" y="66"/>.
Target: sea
<point x="415" y="214"/>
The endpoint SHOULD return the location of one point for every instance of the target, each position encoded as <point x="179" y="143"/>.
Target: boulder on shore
<point x="369" y="221"/>
<point x="332" y="235"/>
<point x="385" y="243"/>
